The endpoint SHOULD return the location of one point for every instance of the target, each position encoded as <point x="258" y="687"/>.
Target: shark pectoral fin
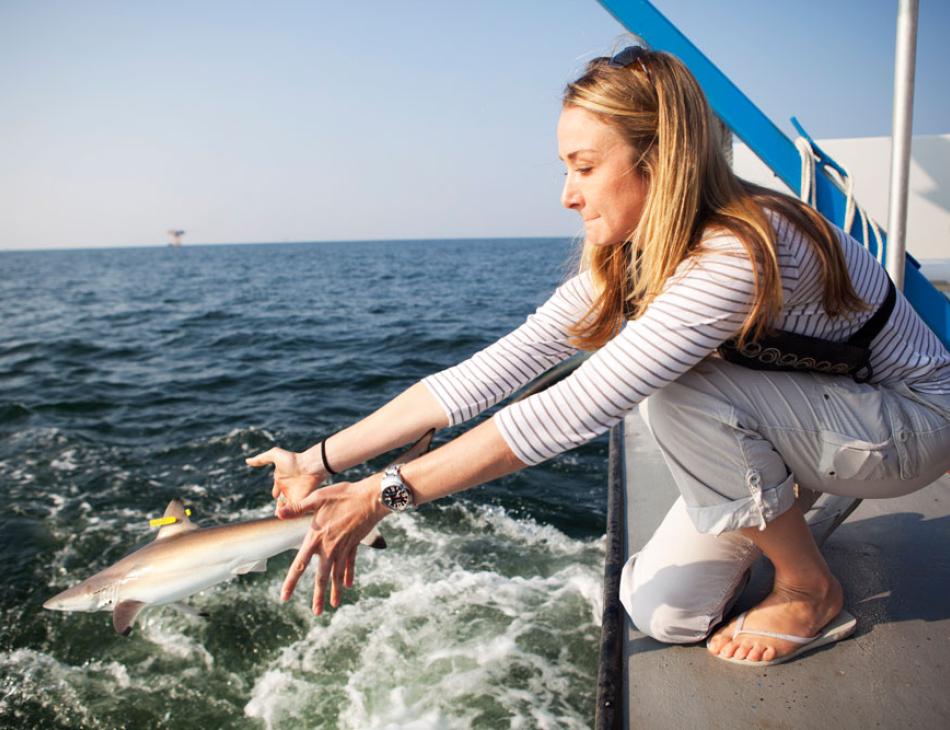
<point x="124" y="615"/>
<point x="176" y="510"/>
<point x="374" y="540"/>
<point x="259" y="567"/>
<point x="190" y="610"/>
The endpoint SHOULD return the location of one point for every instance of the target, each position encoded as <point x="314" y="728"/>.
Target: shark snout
<point x="77" y="598"/>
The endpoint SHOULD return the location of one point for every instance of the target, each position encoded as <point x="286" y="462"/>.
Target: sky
<point x="247" y="122"/>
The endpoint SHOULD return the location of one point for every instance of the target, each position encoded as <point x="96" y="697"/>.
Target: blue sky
<point x="301" y="121"/>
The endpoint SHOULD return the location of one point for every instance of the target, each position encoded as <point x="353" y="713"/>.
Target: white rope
<point x="808" y="171"/>
<point x="845" y="184"/>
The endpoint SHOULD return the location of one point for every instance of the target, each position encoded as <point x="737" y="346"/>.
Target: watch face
<point x="396" y="497"/>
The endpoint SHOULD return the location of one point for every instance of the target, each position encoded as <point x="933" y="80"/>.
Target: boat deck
<point x="893" y="560"/>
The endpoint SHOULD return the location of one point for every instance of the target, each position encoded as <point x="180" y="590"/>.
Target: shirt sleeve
<point x="704" y="303"/>
<point x="496" y="372"/>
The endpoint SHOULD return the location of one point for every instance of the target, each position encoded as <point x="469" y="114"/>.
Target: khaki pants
<point x="736" y="441"/>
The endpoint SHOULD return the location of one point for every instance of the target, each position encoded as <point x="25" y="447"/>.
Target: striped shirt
<point x="703" y="304"/>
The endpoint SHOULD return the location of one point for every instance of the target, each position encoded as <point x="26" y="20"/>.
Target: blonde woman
<point x="681" y="259"/>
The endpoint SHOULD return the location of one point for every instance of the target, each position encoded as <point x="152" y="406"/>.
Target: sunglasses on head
<point x="629" y="55"/>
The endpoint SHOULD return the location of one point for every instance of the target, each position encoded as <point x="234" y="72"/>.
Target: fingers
<point x="339" y="570"/>
<point x="262" y="459"/>
<point x="336" y="571"/>
<point x="297" y="568"/>
<point x="349" y="574"/>
<point x="294" y="509"/>
<point x="332" y="570"/>
<point x="320" y="587"/>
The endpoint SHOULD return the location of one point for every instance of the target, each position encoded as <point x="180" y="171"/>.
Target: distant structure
<point x="176" y="237"/>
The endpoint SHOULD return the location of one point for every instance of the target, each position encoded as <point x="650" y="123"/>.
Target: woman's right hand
<point x="291" y="479"/>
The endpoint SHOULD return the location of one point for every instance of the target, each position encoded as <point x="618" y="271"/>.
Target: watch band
<point x="394" y="493"/>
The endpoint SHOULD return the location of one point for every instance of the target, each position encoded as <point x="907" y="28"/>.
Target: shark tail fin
<point x="374" y="540"/>
<point x="418" y="448"/>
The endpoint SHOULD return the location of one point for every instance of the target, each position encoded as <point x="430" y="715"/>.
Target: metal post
<point x="904" y="64"/>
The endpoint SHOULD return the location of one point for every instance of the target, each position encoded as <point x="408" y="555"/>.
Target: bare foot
<point x="797" y="610"/>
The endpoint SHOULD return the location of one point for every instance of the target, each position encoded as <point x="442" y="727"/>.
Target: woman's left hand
<point x="343" y="514"/>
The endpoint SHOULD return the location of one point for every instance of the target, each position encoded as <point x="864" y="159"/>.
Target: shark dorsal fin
<point x="175" y="510"/>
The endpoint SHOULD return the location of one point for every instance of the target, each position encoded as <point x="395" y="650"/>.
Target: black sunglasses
<point x="629" y="55"/>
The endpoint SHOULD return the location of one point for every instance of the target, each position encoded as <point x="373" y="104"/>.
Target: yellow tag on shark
<point x="162" y="521"/>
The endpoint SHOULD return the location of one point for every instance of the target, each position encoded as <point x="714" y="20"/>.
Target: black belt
<point x="790" y="351"/>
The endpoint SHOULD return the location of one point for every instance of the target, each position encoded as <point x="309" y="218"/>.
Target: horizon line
<point x="447" y="239"/>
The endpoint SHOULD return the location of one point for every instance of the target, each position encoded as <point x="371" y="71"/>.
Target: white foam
<point x="160" y="630"/>
<point x="279" y="698"/>
<point x="44" y="680"/>
<point x="434" y="642"/>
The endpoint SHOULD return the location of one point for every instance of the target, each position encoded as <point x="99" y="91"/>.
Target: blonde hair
<point x="660" y="109"/>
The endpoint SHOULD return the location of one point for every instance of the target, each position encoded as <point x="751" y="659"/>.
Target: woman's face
<point x="602" y="183"/>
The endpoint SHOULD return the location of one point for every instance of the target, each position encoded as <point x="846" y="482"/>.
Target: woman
<point x="679" y="258"/>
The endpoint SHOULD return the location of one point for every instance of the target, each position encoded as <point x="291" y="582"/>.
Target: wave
<point x="444" y="629"/>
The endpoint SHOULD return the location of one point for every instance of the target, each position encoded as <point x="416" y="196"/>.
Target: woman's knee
<point x="682" y="582"/>
<point x="654" y="614"/>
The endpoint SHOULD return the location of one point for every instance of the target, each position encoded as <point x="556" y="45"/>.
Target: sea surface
<point x="129" y="377"/>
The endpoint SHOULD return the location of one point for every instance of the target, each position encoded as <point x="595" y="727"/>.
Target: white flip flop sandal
<point x="840" y="627"/>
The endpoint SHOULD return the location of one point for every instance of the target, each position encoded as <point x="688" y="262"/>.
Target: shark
<point x="185" y="559"/>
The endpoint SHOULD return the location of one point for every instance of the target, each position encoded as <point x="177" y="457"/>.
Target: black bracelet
<point x="323" y="455"/>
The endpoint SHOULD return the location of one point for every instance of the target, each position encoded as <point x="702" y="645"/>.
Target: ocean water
<point x="129" y="377"/>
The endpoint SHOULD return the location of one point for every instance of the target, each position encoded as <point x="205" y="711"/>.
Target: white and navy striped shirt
<point x="703" y="304"/>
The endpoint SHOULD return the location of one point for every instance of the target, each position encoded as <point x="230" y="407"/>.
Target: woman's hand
<point x="292" y="479"/>
<point x="343" y="514"/>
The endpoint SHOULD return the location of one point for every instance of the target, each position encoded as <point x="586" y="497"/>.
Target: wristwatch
<point x="394" y="493"/>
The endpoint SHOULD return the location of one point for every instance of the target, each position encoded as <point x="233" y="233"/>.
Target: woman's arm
<point x="444" y="399"/>
<point x="494" y="373"/>
<point x="403" y="419"/>
<point x="702" y="304"/>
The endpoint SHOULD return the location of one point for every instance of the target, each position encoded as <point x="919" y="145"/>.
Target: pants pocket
<point x="844" y="457"/>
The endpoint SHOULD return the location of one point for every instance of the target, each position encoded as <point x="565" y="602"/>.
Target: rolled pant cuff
<point x="761" y="507"/>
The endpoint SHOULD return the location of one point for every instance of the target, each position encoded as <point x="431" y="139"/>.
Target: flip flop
<point x="840" y="627"/>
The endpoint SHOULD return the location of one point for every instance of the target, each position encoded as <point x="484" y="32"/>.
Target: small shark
<point x="184" y="559"/>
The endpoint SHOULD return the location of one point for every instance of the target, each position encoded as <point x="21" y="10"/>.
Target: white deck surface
<point x="893" y="559"/>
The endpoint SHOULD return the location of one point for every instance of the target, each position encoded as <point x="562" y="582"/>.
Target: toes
<point x="719" y="639"/>
<point x="729" y="649"/>
<point x="750" y="651"/>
